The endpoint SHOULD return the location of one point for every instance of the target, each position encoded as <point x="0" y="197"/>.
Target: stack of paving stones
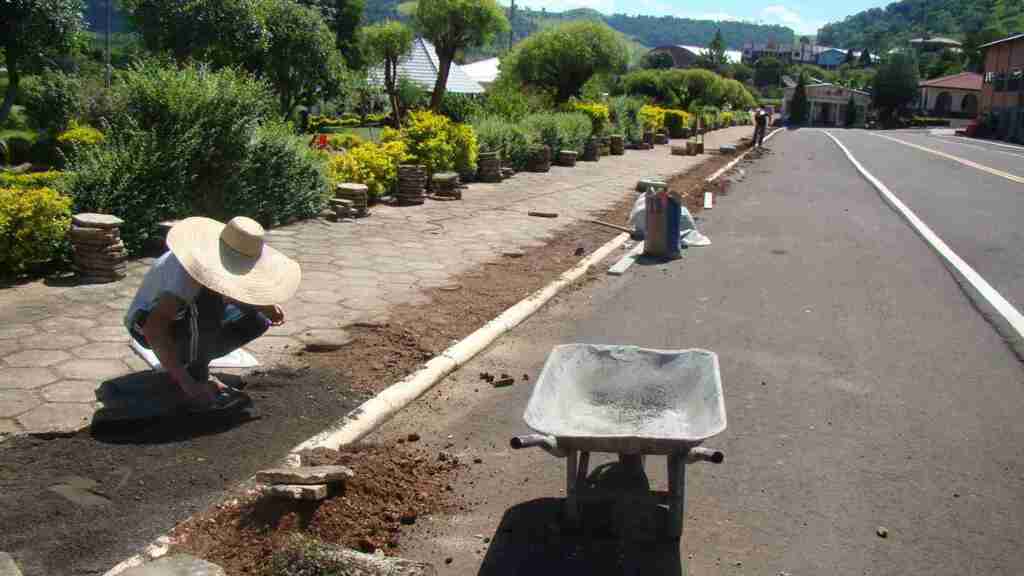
<point x="446" y="185"/>
<point x="343" y="208"/>
<point x="540" y="159"/>
<point x="661" y="138"/>
<point x="357" y="194"/>
<point x="489" y="167"/>
<point x="617" y="144"/>
<point x="592" y="151"/>
<point x="605" y="146"/>
<point x="507" y="172"/>
<point x="412" y="184"/>
<point x="304" y="482"/>
<point x="567" y="158"/>
<point x="99" y="253"/>
<point x="680" y="150"/>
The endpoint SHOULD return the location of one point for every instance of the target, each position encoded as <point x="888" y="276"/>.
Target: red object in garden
<point x="971" y="129"/>
<point x="319" y="142"/>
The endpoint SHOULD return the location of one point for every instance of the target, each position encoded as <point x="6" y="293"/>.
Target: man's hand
<point x="273" y="313"/>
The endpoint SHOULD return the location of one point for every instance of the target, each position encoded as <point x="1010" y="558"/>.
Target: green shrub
<point x="625" y="116"/>
<point x="345" y="141"/>
<point x="466" y="148"/>
<point x="281" y="179"/>
<point x="19" y="149"/>
<point x="652" y="118"/>
<point x="561" y="131"/>
<point x="324" y="124"/>
<point x="50" y="179"/>
<point x="410" y="95"/>
<point x="460" y="107"/>
<point x="33" y="226"/>
<point x="77" y="137"/>
<point x="375" y="165"/>
<point x="512" y="101"/>
<point x="598" y="114"/>
<point x="512" y="140"/>
<point x="52" y="100"/>
<point x="437" y="143"/>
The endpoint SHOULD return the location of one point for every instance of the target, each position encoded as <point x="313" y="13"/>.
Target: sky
<point x="803" y="16"/>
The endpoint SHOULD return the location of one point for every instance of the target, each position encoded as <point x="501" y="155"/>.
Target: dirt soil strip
<point x="243" y="535"/>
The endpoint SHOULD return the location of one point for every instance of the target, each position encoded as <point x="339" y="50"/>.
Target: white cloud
<point x="779" y="14"/>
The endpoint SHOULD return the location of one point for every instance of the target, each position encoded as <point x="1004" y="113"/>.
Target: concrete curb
<point x="377" y="410"/>
<point x="1008" y="322"/>
<point x="718" y="173"/>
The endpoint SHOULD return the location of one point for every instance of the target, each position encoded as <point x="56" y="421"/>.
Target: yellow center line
<point x="964" y="161"/>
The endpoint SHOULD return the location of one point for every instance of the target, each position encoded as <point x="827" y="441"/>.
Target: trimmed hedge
<point x="511" y="139"/>
<point x="561" y="131"/>
<point x="33" y="226"/>
<point x="375" y="165"/>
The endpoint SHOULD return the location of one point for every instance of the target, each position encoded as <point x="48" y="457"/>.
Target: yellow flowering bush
<point x="598" y="113"/>
<point x="346" y="141"/>
<point x="80" y="135"/>
<point x="375" y="165"/>
<point x="653" y="118"/>
<point x="676" y="121"/>
<point x="466" y="148"/>
<point x="48" y="179"/>
<point x="33" y="226"/>
<point x="436" y="142"/>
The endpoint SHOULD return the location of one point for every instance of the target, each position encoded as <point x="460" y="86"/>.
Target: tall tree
<point x="895" y="85"/>
<point x="454" y="25"/>
<point x="851" y="58"/>
<point x="657" y="60"/>
<point x="32" y="31"/>
<point x="714" y="58"/>
<point x="385" y="44"/>
<point x="799" y="107"/>
<point x="300" y="61"/>
<point x="563" y="58"/>
<point x="768" y="71"/>
<point x="344" y="17"/>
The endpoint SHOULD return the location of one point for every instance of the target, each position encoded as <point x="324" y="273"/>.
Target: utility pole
<point x="109" y="19"/>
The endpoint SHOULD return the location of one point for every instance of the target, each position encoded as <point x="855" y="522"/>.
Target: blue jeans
<point x="209" y="329"/>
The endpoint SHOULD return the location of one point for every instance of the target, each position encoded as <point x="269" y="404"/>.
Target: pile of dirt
<point x="393" y="486"/>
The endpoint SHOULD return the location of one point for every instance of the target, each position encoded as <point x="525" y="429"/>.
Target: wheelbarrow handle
<point x="549" y="444"/>
<point x="702" y="454"/>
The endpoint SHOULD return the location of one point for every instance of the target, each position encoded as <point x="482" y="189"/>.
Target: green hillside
<point x="879" y="29"/>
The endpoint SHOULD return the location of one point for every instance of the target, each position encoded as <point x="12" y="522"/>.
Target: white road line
<point x="1007" y="319"/>
<point x="956" y="140"/>
<point x="964" y="161"/>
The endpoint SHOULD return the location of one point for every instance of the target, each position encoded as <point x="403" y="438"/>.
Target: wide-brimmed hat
<point x="232" y="259"/>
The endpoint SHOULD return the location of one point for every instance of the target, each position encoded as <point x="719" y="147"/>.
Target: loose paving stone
<point x="324" y="340"/>
<point x="59" y="417"/>
<point x="321" y="322"/>
<point x="70" y="391"/>
<point x="298" y="491"/>
<point x="305" y="475"/>
<point x="14" y="402"/>
<point x="320" y="296"/>
<point x="36" y="358"/>
<point x="98" y="370"/>
<point x="10" y="347"/>
<point x="53" y="341"/>
<point x="25" y="378"/>
<point x="16" y="331"/>
<point x="7" y="565"/>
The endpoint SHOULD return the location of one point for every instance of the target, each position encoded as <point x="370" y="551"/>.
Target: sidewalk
<point x="58" y="344"/>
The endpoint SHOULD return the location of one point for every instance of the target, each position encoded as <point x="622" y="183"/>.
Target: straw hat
<point x="232" y="259"/>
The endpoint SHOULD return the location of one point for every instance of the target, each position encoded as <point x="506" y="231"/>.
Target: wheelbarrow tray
<point x="627" y="399"/>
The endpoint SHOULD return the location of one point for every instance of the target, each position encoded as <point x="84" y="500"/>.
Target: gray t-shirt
<point x="167" y="276"/>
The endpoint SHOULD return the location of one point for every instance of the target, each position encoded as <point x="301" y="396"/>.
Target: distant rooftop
<point x="732" y="56"/>
<point x="961" y="81"/>
<point x="421" y="64"/>
<point x="1007" y="39"/>
<point x="938" y="40"/>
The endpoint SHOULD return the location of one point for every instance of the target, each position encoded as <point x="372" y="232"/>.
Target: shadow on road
<point x="143" y="408"/>
<point x="615" y="537"/>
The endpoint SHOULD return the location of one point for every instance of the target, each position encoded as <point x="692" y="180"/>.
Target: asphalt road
<point x="976" y="212"/>
<point x="863" y="390"/>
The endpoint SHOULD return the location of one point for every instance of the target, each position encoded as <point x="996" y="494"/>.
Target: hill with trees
<point x="880" y="29"/>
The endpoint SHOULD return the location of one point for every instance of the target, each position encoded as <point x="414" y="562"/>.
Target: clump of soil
<point x="393" y="487"/>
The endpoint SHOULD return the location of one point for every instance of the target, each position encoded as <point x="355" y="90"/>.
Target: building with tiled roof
<point x="956" y="95"/>
<point x="421" y="64"/>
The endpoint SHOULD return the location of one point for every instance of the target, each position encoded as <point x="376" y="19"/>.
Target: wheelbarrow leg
<point x="571" y="501"/>
<point x="676" y="494"/>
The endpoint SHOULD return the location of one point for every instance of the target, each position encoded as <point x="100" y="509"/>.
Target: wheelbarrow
<point x="628" y="401"/>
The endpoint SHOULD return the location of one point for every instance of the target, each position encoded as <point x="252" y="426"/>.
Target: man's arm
<point x="159" y="335"/>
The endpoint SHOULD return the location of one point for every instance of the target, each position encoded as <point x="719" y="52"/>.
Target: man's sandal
<point x="225" y="401"/>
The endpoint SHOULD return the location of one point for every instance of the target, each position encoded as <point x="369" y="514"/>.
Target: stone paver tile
<point x="366" y="304"/>
<point x="332" y="335"/>
<point x="14" y="402"/>
<point x="314" y="259"/>
<point x="25" y="378"/>
<point x="119" y="304"/>
<point x="36" y="358"/>
<point x="136" y="364"/>
<point x="10" y="346"/>
<point x="319" y="277"/>
<point x="274" y="344"/>
<point x="53" y="341"/>
<point x="8" y="426"/>
<point x="320" y="296"/>
<point x="86" y="297"/>
<point x="66" y="324"/>
<point x="103" y="350"/>
<point x="98" y="370"/>
<point x="70" y="391"/>
<point x="291" y="327"/>
<point x="57" y="417"/>
<point x="16" y="331"/>
<point x="108" y="333"/>
<point x="322" y="322"/>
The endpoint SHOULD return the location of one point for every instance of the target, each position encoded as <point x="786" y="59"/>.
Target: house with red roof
<point x="951" y="96"/>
